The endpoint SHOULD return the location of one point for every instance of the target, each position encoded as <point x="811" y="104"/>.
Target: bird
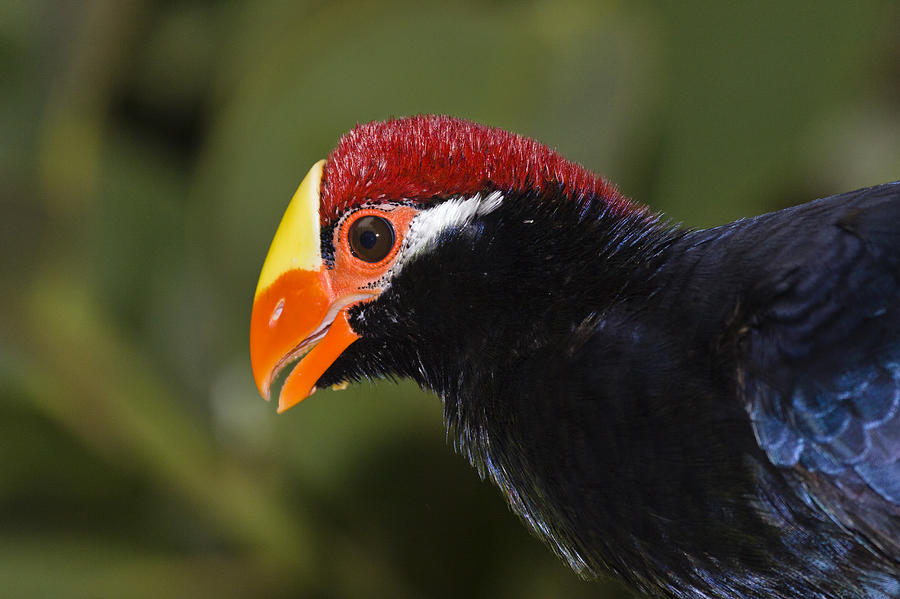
<point x="705" y="413"/>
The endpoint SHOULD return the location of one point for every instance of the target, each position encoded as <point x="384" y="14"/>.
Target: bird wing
<point x="820" y="370"/>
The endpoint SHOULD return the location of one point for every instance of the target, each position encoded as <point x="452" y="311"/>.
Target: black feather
<point x="823" y="366"/>
<point x="702" y="413"/>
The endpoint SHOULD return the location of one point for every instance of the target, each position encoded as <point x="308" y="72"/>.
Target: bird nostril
<point x="276" y="313"/>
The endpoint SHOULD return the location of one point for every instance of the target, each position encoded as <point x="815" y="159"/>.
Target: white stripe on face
<point x="427" y="226"/>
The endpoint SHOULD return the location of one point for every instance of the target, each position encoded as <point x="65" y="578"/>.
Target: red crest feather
<point x="428" y="157"/>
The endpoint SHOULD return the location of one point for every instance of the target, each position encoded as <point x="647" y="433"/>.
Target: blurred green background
<point x="147" y="150"/>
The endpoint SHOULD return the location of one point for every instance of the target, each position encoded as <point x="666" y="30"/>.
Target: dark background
<point x="147" y="151"/>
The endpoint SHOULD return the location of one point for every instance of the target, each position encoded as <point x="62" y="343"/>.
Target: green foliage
<point x="147" y="150"/>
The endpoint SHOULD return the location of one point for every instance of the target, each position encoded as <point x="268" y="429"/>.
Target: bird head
<point x="403" y="208"/>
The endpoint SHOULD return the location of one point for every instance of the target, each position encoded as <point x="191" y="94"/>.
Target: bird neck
<point x="516" y="282"/>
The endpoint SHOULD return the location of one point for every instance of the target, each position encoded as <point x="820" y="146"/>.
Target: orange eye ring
<point x="351" y="274"/>
<point x="350" y="239"/>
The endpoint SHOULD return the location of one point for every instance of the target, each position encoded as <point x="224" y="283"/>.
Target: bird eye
<point x="371" y="238"/>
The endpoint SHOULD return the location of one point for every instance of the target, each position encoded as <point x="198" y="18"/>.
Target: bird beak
<point x="296" y="316"/>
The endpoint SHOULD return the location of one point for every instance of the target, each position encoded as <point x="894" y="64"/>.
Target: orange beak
<point x="296" y="315"/>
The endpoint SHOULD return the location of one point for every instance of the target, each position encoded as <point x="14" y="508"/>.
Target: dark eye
<point x="371" y="238"/>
